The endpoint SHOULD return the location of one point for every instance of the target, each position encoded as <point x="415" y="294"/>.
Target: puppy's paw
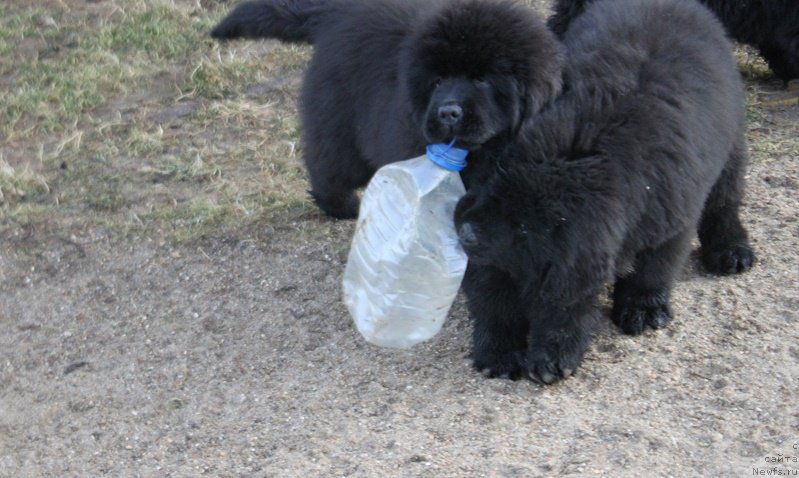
<point x="507" y="365"/>
<point x="556" y="360"/>
<point x="633" y="314"/>
<point x="728" y="258"/>
<point x="341" y="206"/>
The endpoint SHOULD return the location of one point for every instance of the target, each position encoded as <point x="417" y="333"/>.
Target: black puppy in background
<point x="771" y="26"/>
<point x="389" y="76"/>
<point x="609" y="183"/>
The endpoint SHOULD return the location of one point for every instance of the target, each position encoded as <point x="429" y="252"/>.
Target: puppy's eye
<point x="480" y="81"/>
<point x="436" y="82"/>
<point x="522" y="228"/>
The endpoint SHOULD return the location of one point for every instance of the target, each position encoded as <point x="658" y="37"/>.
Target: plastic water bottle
<point x="406" y="265"/>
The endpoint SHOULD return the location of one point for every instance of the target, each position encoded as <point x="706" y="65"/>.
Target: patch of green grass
<point x="208" y="218"/>
<point x="198" y="214"/>
<point x="48" y="97"/>
<point x="157" y="33"/>
<point x="217" y="80"/>
<point x="106" y="196"/>
<point x="226" y="70"/>
<point x="69" y="67"/>
<point x="754" y="112"/>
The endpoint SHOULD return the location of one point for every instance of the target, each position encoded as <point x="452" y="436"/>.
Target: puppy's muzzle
<point x="450" y="114"/>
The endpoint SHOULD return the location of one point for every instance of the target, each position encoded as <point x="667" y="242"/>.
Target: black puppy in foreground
<point x="608" y="184"/>
<point x="771" y="26"/>
<point x="390" y="76"/>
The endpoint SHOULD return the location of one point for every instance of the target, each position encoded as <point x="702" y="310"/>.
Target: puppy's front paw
<point x="556" y="359"/>
<point x="340" y="206"/>
<point x="728" y="258"/>
<point x="506" y="365"/>
<point x="633" y="314"/>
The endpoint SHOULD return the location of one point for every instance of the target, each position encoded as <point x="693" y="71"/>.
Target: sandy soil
<point x="234" y="356"/>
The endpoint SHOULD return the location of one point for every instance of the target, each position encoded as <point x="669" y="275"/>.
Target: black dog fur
<point x="771" y="26"/>
<point x="389" y="76"/>
<point x="608" y="183"/>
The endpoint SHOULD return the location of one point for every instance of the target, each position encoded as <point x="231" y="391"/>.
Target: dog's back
<point x="651" y="86"/>
<point x="771" y="26"/>
<point x="662" y="68"/>
<point x="634" y="46"/>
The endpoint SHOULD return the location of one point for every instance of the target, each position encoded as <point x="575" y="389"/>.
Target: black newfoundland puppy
<point x="771" y="26"/>
<point x="389" y="76"/>
<point x="608" y="183"/>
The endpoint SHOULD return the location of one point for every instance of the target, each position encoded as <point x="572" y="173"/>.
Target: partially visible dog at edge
<point x="388" y="77"/>
<point x="771" y="26"/>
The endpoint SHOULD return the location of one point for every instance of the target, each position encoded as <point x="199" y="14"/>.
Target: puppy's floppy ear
<point x="547" y="83"/>
<point x="532" y="98"/>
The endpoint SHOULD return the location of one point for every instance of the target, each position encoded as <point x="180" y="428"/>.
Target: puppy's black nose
<point x="467" y="236"/>
<point x="450" y="114"/>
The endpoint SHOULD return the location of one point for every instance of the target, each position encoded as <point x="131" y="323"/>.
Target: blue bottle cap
<point x="447" y="156"/>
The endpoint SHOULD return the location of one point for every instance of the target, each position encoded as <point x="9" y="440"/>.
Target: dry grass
<point x="125" y="114"/>
<point x="19" y="185"/>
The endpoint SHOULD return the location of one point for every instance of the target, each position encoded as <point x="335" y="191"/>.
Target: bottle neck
<point x="447" y="156"/>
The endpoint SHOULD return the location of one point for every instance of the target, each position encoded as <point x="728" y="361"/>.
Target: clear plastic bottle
<point x="405" y="265"/>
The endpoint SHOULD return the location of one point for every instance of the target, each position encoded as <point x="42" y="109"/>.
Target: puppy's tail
<point x="287" y="20"/>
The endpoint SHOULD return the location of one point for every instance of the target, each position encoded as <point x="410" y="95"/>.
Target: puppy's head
<point x="493" y="222"/>
<point x="551" y="220"/>
<point x="477" y="67"/>
<point x="514" y="223"/>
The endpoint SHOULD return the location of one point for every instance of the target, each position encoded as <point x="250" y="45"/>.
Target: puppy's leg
<point x="500" y="329"/>
<point x="336" y="170"/>
<point x="781" y="61"/>
<point x="559" y="337"/>
<point x="725" y="244"/>
<point x="641" y="299"/>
